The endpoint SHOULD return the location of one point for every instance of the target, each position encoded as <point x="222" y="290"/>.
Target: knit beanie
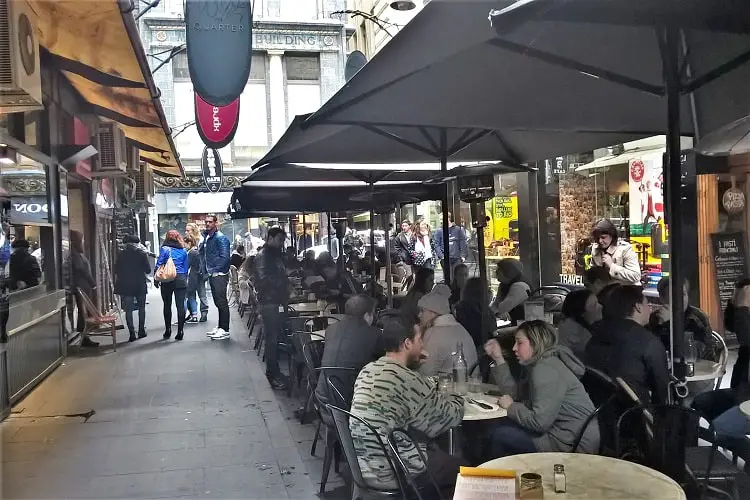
<point x="437" y="301"/>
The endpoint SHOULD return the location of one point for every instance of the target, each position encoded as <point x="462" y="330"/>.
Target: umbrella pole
<point x="388" y="275"/>
<point x="446" y="236"/>
<point x="670" y="57"/>
<point x="373" y="262"/>
<point x="480" y="222"/>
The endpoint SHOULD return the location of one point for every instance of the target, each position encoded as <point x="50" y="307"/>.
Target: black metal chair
<point x="312" y="353"/>
<point x="360" y="487"/>
<point x="670" y="434"/>
<point x="397" y="440"/>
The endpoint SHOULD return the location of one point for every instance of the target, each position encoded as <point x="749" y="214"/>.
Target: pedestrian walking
<point x="131" y="269"/>
<point x="458" y="244"/>
<point x="215" y="251"/>
<point x="173" y="248"/>
<point x="196" y="275"/>
<point x="192" y="230"/>
<point x="272" y="286"/>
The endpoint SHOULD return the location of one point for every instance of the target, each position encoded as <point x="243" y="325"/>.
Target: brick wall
<point x="577" y="214"/>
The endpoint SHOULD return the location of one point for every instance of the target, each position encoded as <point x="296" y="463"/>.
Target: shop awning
<point x="633" y="151"/>
<point x="96" y="46"/>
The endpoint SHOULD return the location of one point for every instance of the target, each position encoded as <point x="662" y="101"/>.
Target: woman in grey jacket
<point x="548" y="406"/>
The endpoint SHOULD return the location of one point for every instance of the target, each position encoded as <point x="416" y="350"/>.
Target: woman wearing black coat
<point x="131" y="270"/>
<point x="195" y="278"/>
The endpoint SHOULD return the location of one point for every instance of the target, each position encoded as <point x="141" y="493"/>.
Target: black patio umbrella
<point x="671" y="50"/>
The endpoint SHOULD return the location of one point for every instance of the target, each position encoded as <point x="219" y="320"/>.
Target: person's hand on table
<point x="505" y="401"/>
<point x="492" y="349"/>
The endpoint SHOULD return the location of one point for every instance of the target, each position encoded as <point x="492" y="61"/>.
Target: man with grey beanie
<point x="442" y="333"/>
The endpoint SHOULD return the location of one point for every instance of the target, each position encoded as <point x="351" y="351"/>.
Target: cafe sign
<point x="733" y="200"/>
<point x="216" y="124"/>
<point x="212" y="169"/>
<point x="219" y="45"/>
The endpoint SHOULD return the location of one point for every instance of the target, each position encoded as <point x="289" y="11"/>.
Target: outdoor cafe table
<point x="745" y="408"/>
<point x="593" y="477"/>
<point x="473" y="413"/>
<point x="306" y="307"/>
<point x="706" y="370"/>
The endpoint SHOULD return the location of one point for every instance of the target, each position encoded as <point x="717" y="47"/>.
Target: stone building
<point x="299" y="52"/>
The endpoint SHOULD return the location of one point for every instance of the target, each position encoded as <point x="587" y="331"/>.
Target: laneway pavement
<point x="160" y="419"/>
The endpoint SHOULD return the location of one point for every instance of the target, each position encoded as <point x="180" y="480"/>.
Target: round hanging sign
<point x="216" y="124"/>
<point x="733" y="200"/>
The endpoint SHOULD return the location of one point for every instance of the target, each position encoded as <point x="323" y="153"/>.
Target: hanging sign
<point x="219" y="47"/>
<point x="212" y="169"/>
<point x="216" y="124"/>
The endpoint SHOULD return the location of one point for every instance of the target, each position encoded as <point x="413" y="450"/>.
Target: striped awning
<point x="95" y="44"/>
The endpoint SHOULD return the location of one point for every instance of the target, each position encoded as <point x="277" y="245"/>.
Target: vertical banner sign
<point x="212" y="169"/>
<point x="730" y="264"/>
<point x="216" y="124"/>
<point x="219" y="47"/>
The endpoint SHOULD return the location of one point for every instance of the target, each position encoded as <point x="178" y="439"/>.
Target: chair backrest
<point x="88" y="306"/>
<point x="724" y="355"/>
<point x="234" y="276"/>
<point x="341" y="420"/>
<point x="598" y="385"/>
<point x="312" y="353"/>
<point x="396" y="440"/>
<point x="336" y="391"/>
<point x="672" y="430"/>
<point x="319" y="323"/>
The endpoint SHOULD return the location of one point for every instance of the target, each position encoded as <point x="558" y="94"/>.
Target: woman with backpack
<point x="171" y="274"/>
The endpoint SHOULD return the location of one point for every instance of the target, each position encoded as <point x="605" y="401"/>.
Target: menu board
<point x="124" y="224"/>
<point x="730" y="263"/>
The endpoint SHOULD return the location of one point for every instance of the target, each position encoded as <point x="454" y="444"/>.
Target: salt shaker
<point x="559" y="475"/>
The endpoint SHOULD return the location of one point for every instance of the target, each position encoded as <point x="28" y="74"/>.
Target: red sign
<point x="637" y="170"/>
<point x="216" y="124"/>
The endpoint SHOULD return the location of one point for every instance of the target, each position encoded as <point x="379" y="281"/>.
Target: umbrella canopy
<point x="332" y="198"/>
<point x="732" y="139"/>
<point x="335" y="144"/>
<point x="321" y="173"/>
<point x="476" y="170"/>
<point x="491" y="82"/>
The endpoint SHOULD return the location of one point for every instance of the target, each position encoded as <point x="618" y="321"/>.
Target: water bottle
<point x="460" y="371"/>
<point x="691" y="353"/>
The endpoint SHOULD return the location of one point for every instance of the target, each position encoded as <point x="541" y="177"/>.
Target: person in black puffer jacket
<point x="272" y="287"/>
<point x="131" y="269"/>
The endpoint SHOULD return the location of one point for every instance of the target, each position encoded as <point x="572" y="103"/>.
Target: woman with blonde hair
<point x="548" y="406"/>
<point x="192" y="230"/>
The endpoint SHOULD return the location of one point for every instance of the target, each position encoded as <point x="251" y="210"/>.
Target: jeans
<point x="131" y="304"/>
<point x="273" y="329"/>
<point x="732" y="423"/>
<point x="202" y="296"/>
<point x="176" y="288"/>
<point x="191" y="304"/>
<point x="219" y="291"/>
<point x="508" y="438"/>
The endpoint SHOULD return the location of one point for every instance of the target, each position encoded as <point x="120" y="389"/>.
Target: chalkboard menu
<point x="124" y="224"/>
<point x="730" y="263"/>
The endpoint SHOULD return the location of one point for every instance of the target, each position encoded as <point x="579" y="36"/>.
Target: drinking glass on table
<point x="445" y="383"/>
<point x="475" y="382"/>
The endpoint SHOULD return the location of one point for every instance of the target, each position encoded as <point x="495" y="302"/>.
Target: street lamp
<point x="403" y="5"/>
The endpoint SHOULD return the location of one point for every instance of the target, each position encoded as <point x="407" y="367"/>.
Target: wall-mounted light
<point x="403" y="5"/>
<point x="7" y="155"/>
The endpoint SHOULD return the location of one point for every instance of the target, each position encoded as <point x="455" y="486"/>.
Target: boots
<point x="179" y="334"/>
<point x="204" y="317"/>
<point x="132" y="338"/>
<point x="167" y="333"/>
<point x="142" y="334"/>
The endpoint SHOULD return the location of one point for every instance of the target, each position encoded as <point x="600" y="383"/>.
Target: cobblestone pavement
<point x="190" y="419"/>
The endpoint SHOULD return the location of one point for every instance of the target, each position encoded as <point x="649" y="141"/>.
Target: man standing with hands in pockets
<point x="215" y="251"/>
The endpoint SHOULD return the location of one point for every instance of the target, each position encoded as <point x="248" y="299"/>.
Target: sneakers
<point x="211" y="333"/>
<point x="220" y="334"/>
<point x="192" y="319"/>
<point x="278" y="382"/>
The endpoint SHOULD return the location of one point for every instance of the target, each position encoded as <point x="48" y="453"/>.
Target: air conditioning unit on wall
<point x="20" y="77"/>
<point x="144" y="184"/>
<point x="112" y="159"/>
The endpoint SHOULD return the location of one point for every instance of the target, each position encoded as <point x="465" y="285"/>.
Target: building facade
<point x="299" y="52"/>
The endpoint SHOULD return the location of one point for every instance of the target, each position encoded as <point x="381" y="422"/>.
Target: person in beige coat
<point x="614" y="254"/>
<point x="442" y="333"/>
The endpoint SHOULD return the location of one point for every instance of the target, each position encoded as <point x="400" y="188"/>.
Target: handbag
<point x="166" y="272"/>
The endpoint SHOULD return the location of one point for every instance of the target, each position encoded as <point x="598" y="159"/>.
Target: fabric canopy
<point x="289" y="172"/>
<point x="291" y="198"/>
<point x="471" y="77"/>
<point x="337" y="144"/>
<point x="97" y="47"/>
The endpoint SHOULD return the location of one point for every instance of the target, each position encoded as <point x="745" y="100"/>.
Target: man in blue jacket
<point x="457" y="243"/>
<point x="215" y="251"/>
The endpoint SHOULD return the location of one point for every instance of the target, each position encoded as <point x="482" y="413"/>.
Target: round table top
<point x="706" y="370"/>
<point x="306" y="307"/>
<point x="593" y="477"/>
<point x="472" y="412"/>
<point x="745" y="408"/>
